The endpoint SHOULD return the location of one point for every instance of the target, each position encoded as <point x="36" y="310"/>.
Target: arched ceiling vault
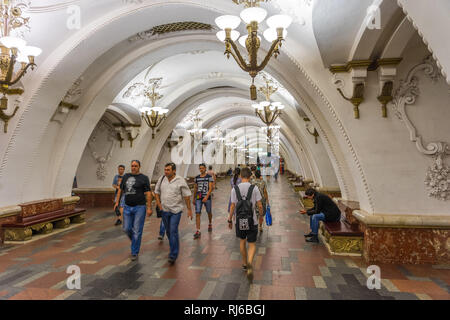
<point x="101" y="52"/>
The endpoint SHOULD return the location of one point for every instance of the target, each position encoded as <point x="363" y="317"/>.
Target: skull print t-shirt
<point x="134" y="188"/>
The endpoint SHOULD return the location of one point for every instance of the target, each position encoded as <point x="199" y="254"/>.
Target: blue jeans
<point x="199" y="204"/>
<point x="314" y="222"/>
<point x="133" y="224"/>
<point x="171" y="222"/>
<point x="162" y="228"/>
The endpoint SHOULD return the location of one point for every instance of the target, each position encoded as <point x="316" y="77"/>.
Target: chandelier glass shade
<point x="13" y="50"/>
<point x="252" y="16"/>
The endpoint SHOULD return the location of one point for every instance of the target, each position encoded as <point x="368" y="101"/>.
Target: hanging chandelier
<point x="253" y="16"/>
<point x="153" y="115"/>
<point x="13" y="49"/>
<point x="197" y="131"/>
<point x="268" y="111"/>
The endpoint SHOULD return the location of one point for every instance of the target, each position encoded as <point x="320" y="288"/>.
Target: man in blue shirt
<point x="116" y="185"/>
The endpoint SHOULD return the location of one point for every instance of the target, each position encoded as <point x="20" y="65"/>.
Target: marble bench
<point x="42" y="217"/>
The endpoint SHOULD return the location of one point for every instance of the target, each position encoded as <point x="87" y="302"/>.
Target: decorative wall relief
<point x="437" y="178"/>
<point x="99" y="159"/>
<point x="67" y="103"/>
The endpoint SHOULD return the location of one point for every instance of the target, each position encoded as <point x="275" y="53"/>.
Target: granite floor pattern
<point x="285" y="267"/>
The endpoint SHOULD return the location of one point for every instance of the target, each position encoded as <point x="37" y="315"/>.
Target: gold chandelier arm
<point x="238" y="57"/>
<point x="9" y="73"/>
<point x="269" y="55"/>
<point x="21" y="74"/>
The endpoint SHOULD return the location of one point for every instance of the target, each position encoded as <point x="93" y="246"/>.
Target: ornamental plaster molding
<point x="101" y="161"/>
<point x="341" y="128"/>
<point x="425" y="41"/>
<point x="437" y="179"/>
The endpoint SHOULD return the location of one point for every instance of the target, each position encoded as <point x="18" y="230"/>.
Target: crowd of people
<point x="247" y="206"/>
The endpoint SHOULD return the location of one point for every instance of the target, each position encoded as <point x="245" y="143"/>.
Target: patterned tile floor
<point x="286" y="267"/>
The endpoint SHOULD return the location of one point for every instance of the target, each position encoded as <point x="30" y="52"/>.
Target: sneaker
<point x="118" y="222"/>
<point x="171" y="261"/>
<point x="250" y="273"/>
<point x="244" y="267"/>
<point x="160" y="238"/>
<point x="313" y="238"/>
<point x="134" y="257"/>
<point x="197" y="235"/>
<point x="210" y="228"/>
<point x="308" y="235"/>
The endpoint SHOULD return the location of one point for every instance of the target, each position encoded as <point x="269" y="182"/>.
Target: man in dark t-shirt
<point x="138" y="200"/>
<point x="202" y="196"/>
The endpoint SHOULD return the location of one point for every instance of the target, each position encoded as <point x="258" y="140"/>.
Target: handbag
<point x="268" y="216"/>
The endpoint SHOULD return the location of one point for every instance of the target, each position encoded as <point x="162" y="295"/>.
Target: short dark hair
<point x="210" y="167"/>
<point x="253" y="168"/>
<point x="172" y="165"/>
<point x="246" y="173"/>
<point x="121" y="166"/>
<point x="310" y="191"/>
<point x="202" y="165"/>
<point x="258" y="174"/>
<point x="137" y="161"/>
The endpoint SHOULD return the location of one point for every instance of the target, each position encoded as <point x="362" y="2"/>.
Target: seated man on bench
<point x="324" y="210"/>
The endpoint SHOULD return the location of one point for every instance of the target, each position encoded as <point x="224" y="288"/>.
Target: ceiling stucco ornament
<point x="75" y="92"/>
<point x="92" y="145"/>
<point x="437" y="179"/>
<point x="169" y="28"/>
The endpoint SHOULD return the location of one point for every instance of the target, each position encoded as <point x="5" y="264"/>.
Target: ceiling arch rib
<point x="59" y="67"/>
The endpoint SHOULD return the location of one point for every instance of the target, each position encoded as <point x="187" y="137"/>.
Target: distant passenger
<point x="116" y="185"/>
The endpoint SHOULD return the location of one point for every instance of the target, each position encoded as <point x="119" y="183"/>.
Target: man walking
<point x="116" y="185"/>
<point x="324" y="210"/>
<point x="246" y="222"/>
<point x="203" y="187"/>
<point x="138" y="201"/>
<point x="170" y="192"/>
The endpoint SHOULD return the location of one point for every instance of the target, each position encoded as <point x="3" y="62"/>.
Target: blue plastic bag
<point x="268" y="216"/>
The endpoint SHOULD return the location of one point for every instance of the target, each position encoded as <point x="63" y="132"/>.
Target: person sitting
<point x="324" y="210"/>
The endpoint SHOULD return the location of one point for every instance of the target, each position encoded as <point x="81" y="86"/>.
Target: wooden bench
<point x="42" y="217"/>
<point x="342" y="238"/>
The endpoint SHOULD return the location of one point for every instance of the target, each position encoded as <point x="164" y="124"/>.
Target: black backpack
<point x="244" y="210"/>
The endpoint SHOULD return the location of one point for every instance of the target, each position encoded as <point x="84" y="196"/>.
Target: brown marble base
<point x="406" y="245"/>
<point x="95" y="199"/>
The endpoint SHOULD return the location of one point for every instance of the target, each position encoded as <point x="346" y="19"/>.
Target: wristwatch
<point x="230" y="221"/>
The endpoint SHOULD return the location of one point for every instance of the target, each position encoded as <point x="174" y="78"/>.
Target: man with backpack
<point x="245" y="198"/>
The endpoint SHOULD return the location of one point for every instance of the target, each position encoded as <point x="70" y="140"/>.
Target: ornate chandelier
<point x="252" y="16"/>
<point x="197" y="131"/>
<point x="13" y="49"/>
<point x="153" y="115"/>
<point x="268" y="111"/>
